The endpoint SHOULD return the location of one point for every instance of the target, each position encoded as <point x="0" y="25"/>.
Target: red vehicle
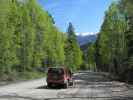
<point x="59" y="76"/>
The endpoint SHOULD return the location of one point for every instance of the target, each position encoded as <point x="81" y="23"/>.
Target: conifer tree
<point x="72" y="49"/>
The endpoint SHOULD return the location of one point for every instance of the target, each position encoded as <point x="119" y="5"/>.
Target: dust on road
<point x="88" y="86"/>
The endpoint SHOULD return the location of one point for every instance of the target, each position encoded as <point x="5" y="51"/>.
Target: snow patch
<point x="86" y="33"/>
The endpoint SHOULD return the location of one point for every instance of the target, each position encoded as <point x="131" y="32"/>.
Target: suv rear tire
<point x="66" y="84"/>
<point x="49" y="85"/>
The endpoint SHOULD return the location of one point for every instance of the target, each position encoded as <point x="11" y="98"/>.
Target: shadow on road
<point x="93" y="86"/>
<point x="92" y="77"/>
<point x="46" y="87"/>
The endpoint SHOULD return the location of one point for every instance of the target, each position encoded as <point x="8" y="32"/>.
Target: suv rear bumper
<point x="56" y="82"/>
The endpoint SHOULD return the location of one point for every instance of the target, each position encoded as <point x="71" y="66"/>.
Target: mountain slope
<point x="83" y="40"/>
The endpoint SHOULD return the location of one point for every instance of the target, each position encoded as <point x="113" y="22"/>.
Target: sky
<point x="86" y="15"/>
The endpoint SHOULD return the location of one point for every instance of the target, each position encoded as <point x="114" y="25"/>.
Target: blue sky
<point x="86" y="15"/>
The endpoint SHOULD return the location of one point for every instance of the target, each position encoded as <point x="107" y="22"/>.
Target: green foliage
<point x="28" y="37"/>
<point x="112" y="42"/>
<point x="73" y="53"/>
<point x="7" y="29"/>
<point x="114" y="46"/>
<point x="91" y="57"/>
<point x="126" y="7"/>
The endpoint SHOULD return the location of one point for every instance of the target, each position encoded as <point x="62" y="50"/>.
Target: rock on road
<point x="88" y="86"/>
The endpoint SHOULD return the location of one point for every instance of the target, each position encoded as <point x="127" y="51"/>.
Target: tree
<point x="28" y="37"/>
<point x="72" y="50"/>
<point x="126" y="7"/>
<point x="111" y="43"/>
<point x="91" y="56"/>
<point x="7" y="52"/>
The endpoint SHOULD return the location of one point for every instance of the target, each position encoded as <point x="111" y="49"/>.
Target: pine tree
<point x="72" y="50"/>
<point x="91" y="57"/>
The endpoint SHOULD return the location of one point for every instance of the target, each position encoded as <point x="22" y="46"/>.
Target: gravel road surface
<point x="88" y="86"/>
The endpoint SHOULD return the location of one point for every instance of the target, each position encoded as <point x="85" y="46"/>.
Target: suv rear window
<point x="59" y="71"/>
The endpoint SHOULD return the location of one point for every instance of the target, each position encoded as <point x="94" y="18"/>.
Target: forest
<point x="30" y="41"/>
<point x="113" y="50"/>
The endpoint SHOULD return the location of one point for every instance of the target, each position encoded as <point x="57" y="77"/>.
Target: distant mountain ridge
<point x="83" y="40"/>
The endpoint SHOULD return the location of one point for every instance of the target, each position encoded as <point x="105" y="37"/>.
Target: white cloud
<point x="86" y="33"/>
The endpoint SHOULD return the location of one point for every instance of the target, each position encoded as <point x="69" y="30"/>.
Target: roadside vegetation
<point x="30" y="42"/>
<point x="113" y="50"/>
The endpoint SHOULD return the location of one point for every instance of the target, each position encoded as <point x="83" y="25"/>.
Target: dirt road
<point x="88" y="86"/>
